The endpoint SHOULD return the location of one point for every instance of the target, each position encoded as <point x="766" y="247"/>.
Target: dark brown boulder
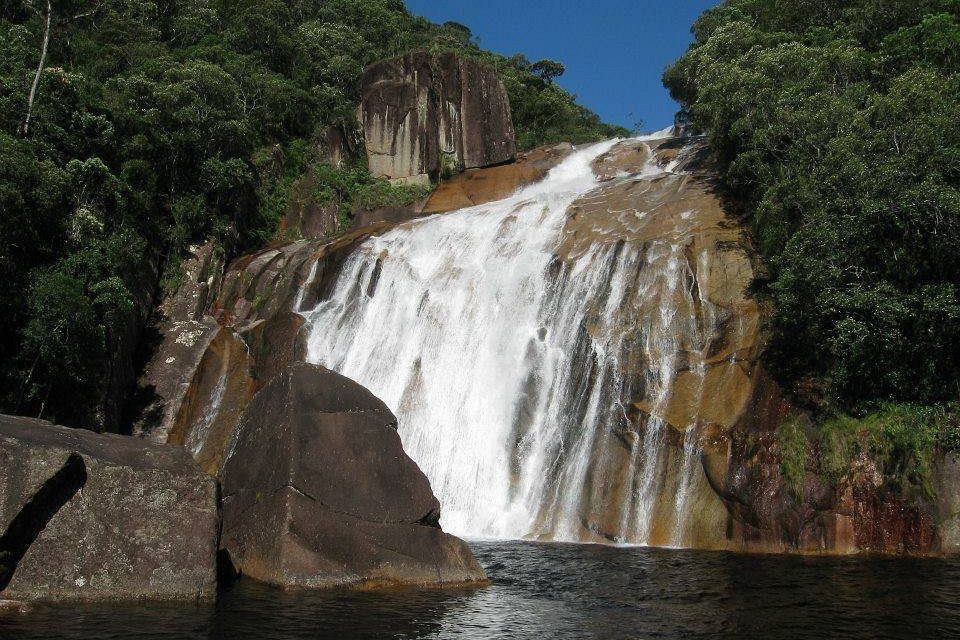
<point x="102" y="517"/>
<point x="423" y="114"/>
<point x="318" y="492"/>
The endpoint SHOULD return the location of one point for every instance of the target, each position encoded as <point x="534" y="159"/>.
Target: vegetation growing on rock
<point x="836" y="127"/>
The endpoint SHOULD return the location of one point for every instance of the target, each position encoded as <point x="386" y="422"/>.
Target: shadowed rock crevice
<point x="431" y="519"/>
<point x="37" y="513"/>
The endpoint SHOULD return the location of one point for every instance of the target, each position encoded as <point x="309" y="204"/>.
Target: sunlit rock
<point x="424" y="115"/>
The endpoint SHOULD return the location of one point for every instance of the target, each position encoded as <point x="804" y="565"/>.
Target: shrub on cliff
<point x="903" y="440"/>
<point x="837" y="127"/>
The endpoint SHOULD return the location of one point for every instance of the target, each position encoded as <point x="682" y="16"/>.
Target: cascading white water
<point x="197" y="435"/>
<point x="504" y="364"/>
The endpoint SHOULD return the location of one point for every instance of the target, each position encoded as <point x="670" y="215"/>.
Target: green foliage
<point x="279" y="167"/>
<point x="381" y="193"/>
<point x="459" y="32"/>
<point x="837" y="126"/>
<point x="548" y="70"/>
<point x="354" y="187"/>
<point x="794" y="454"/>
<point x="543" y="112"/>
<point x="448" y="165"/>
<point x="903" y="440"/>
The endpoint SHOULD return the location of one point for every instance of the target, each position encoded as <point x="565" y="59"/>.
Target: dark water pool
<point x="569" y="591"/>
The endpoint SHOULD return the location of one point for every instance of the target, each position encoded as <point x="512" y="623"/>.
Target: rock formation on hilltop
<point x="424" y="114"/>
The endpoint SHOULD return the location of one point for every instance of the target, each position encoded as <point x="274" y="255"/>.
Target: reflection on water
<point x="568" y="591"/>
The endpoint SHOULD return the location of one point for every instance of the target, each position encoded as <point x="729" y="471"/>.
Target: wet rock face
<point x="717" y="397"/>
<point x="688" y="333"/>
<point x="227" y="333"/>
<point x="424" y="113"/>
<point x="479" y="186"/>
<point x="260" y="285"/>
<point x="318" y="492"/>
<point x="187" y="332"/>
<point x="859" y="513"/>
<point x="101" y="517"/>
<point x="221" y="387"/>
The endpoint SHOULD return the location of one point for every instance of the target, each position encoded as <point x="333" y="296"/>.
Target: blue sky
<point x="614" y="50"/>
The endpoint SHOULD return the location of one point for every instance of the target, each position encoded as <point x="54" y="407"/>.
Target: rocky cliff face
<point x="318" y="492"/>
<point x="422" y="114"/>
<point x="102" y="517"/>
<point x="704" y="424"/>
<point x="857" y="513"/>
<point x="721" y="399"/>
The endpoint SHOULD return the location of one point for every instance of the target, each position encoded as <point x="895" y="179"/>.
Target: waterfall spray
<point x="505" y="365"/>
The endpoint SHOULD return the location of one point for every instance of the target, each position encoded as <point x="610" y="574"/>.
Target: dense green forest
<point x="130" y="129"/>
<point x="835" y="125"/>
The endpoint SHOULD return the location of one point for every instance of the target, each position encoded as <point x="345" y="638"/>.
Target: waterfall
<point x="507" y="367"/>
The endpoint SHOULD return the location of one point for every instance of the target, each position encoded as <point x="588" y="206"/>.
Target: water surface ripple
<point x="564" y="591"/>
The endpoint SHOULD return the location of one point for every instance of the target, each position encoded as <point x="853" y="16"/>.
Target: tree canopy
<point x="836" y="128"/>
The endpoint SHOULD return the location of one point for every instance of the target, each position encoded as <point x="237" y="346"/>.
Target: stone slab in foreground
<point x="87" y="516"/>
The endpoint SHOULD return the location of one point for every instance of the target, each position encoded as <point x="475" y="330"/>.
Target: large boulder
<point x="423" y="114"/>
<point x="318" y="492"/>
<point x="102" y="517"/>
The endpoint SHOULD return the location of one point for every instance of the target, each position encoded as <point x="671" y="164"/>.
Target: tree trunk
<point x="25" y="127"/>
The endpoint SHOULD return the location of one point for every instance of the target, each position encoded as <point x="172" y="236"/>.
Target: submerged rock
<point x="318" y="492"/>
<point x="424" y="114"/>
<point x="101" y="517"/>
<point x="13" y="607"/>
